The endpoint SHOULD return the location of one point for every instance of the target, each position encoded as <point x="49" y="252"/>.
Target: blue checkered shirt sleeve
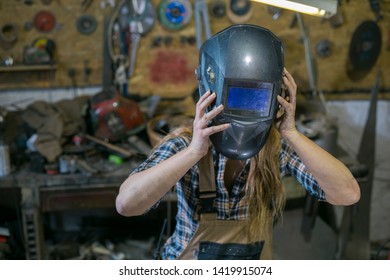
<point x="291" y="164"/>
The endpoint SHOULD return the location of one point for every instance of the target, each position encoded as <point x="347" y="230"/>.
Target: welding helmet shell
<point x="243" y="64"/>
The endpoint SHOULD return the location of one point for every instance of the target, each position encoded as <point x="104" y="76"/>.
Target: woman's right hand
<point x="201" y="131"/>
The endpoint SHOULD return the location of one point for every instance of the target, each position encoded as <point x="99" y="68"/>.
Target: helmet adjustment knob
<point x="211" y="74"/>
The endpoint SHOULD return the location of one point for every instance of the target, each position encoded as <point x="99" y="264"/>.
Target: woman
<point x="227" y="204"/>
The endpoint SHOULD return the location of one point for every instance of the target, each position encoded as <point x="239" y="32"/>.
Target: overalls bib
<point x="223" y="239"/>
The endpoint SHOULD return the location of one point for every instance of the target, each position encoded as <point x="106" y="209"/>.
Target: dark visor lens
<point x="252" y="99"/>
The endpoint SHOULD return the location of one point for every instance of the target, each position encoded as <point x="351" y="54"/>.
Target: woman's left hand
<point x="287" y="124"/>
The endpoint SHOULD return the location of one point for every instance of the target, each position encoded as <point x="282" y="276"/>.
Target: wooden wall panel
<point x="72" y="47"/>
<point x="168" y="70"/>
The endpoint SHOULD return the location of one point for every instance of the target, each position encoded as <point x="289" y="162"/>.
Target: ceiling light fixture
<point x="321" y="8"/>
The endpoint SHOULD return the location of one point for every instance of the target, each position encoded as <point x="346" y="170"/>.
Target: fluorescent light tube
<point x="321" y="8"/>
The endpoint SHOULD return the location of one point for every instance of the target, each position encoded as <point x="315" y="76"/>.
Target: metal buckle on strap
<point x="206" y="206"/>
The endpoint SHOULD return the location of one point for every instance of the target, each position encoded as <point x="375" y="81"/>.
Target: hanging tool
<point x="8" y="35"/>
<point x="86" y="24"/>
<point x="201" y="16"/>
<point x="121" y="76"/>
<point x="107" y="63"/>
<point x="72" y="76"/>
<point x="337" y="19"/>
<point x="138" y="18"/>
<point x="218" y="8"/>
<point x="364" y="49"/>
<point x="44" y="21"/>
<point x="28" y="26"/>
<point x="276" y="12"/>
<point x="324" y="48"/>
<point x="376" y="8"/>
<point x="312" y="73"/>
<point x="87" y="71"/>
<point x="239" y="11"/>
<point x="135" y="38"/>
<point x="175" y="14"/>
<point x="85" y="5"/>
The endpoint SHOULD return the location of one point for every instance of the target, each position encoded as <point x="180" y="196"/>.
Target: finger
<point x="204" y="96"/>
<point x="214" y="129"/>
<point x="207" y="117"/>
<point x="292" y="93"/>
<point x="213" y="113"/>
<point x="290" y="85"/>
<point x="288" y="75"/>
<point x="199" y="105"/>
<point x="287" y="82"/>
<point x="205" y="103"/>
<point x="285" y="104"/>
<point x="289" y="111"/>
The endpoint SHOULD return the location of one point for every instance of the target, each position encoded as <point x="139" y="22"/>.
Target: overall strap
<point x="207" y="185"/>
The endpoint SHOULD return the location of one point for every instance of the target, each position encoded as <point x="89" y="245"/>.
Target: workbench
<point x="43" y="193"/>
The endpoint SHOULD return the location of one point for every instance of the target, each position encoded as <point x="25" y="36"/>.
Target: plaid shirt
<point x="229" y="206"/>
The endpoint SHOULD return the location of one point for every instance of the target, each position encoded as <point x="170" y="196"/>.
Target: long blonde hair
<point x="264" y="186"/>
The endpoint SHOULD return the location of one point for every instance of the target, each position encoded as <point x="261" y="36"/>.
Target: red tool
<point x="44" y="21"/>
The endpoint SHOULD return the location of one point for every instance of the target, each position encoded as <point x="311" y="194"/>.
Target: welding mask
<point x="243" y="64"/>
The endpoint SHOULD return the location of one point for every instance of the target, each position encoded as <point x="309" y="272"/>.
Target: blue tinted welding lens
<point x="250" y="99"/>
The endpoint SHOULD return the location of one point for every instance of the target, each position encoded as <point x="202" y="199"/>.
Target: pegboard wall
<point x="166" y="58"/>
